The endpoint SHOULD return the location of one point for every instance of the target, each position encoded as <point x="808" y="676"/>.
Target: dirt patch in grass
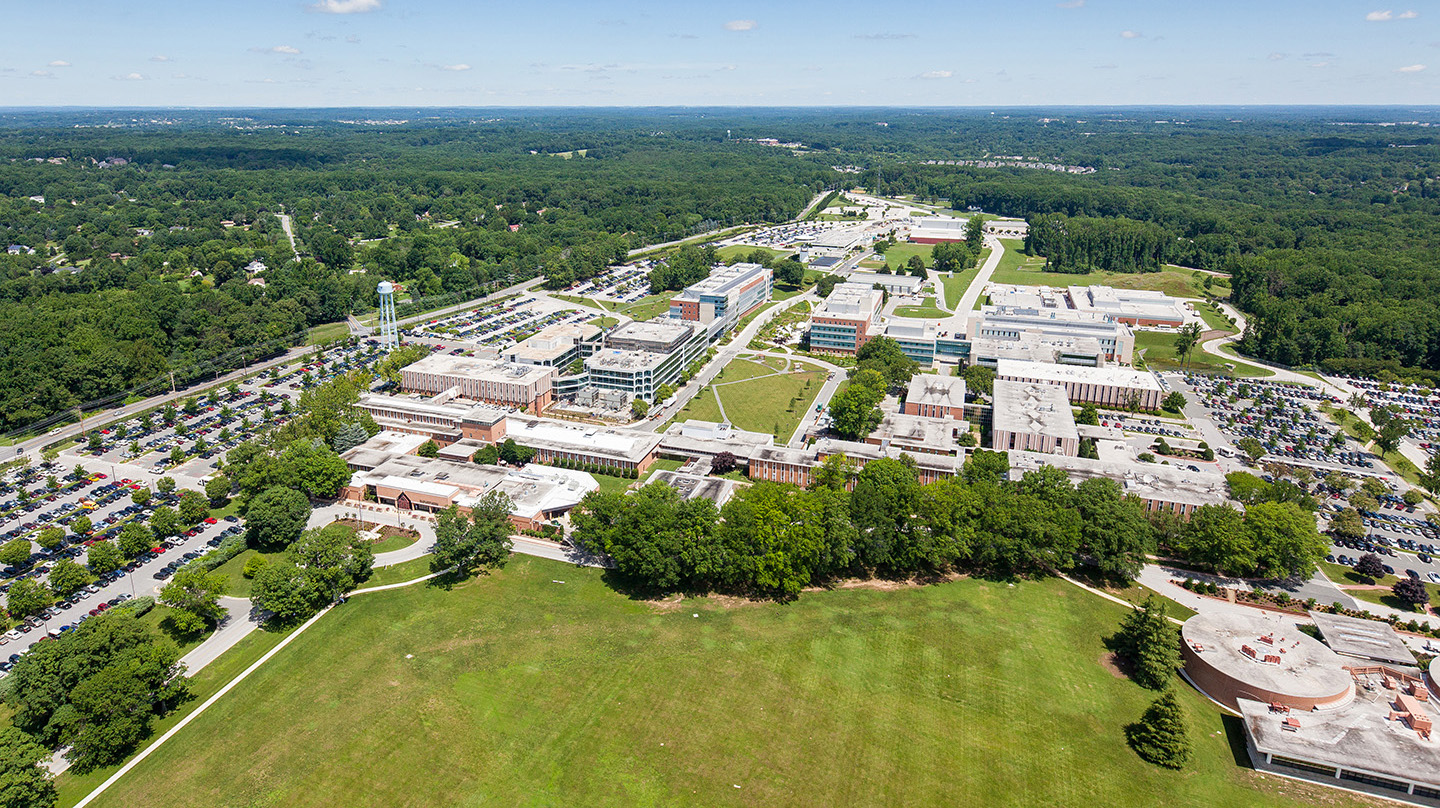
<point x="390" y="530"/>
<point x="1117" y="665"/>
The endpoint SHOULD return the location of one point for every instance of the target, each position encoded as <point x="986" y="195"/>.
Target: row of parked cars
<point x="175" y="564"/>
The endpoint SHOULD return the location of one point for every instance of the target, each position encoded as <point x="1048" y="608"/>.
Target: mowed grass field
<point x="1016" y="267"/>
<point x="515" y="689"/>
<point x="1159" y="348"/>
<point x="762" y="398"/>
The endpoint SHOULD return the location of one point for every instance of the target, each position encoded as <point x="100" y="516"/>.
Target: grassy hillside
<point x="539" y="685"/>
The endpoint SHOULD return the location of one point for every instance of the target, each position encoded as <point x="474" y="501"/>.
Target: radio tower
<point x="389" y="335"/>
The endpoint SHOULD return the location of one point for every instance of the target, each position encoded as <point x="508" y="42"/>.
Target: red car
<point x="210" y="520"/>
<point x="157" y="550"/>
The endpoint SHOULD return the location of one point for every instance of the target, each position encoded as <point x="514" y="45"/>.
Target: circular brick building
<point x="1264" y="657"/>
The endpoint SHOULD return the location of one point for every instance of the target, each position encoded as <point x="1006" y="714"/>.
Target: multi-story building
<point x="1012" y="323"/>
<point x="639" y="357"/>
<point x="725" y="297"/>
<point x="524" y="387"/>
<point x="933" y="396"/>
<point x="556" y="346"/>
<point x="1107" y="386"/>
<point x="1032" y="417"/>
<point x="443" y="418"/>
<point x="847" y="319"/>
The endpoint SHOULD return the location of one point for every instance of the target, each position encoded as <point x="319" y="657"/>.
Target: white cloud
<point x="1408" y="15"/>
<point x="345" y="6"/>
<point x="59" y="63"/>
<point x="1379" y="16"/>
<point x="1130" y="34"/>
<point x="1071" y="4"/>
<point x="289" y="50"/>
<point x="130" y="77"/>
<point x="937" y="74"/>
<point x="159" y="58"/>
<point x="1275" y="56"/>
<point x="42" y="74"/>
<point x="352" y="39"/>
<point x="741" y="25"/>
<point x="457" y="68"/>
<point x="1410" y="69"/>
<point x="1320" y="64"/>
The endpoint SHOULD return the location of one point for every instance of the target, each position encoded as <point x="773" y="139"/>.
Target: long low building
<point x="443" y="418"/>
<point x="782" y="464"/>
<point x="537" y="494"/>
<point x="1137" y="307"/>
<point x="1108" y="386"/>
<point x="507" y="384"/>
<point x="604" y="446"/>
<point x="1158" y="487"/>
<point x="1012" y="323"/>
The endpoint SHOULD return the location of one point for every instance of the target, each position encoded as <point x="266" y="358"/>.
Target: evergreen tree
<point x="1160" y="736"/>
<point x="1151" y="642"/>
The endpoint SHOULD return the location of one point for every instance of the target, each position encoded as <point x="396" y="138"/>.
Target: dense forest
<point x="143" y="225"/>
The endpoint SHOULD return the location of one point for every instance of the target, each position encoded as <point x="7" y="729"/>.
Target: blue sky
<point x="878" y="52"/>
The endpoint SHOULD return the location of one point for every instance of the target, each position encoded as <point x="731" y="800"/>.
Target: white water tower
<point x="389" y="335"/>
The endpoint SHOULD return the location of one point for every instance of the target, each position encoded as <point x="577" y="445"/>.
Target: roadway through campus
<point x="36" y="444"/>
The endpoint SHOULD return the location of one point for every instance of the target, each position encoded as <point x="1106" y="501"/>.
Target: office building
<point x="1158" y="487"/>
<point x="847" y="319"/>
<point x="1032" y="417"/>
<point x="506" y="384"/>
<point x="639" y="357"/>
<point x="725" y="297"/>
<point x="556" y="346"/>
<point x="933" y="396"/>
<point x="1108" y="386"/>
<point x="893" y="284"/>
<point x="555" y="441"/>
<point x="1136" y="307"/>
<point x="443" y="418"/>
<point x="1012" y="323"/>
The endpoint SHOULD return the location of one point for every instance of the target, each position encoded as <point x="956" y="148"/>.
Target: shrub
<point x="253" y="565"/>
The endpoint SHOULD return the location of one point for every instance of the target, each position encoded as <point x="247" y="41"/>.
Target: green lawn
<point x="399" y="573"/>
<point x="517" y="689"/>
<point x="238" y="585"/>
<point x="329" y="332"/>
<point x="604" y="322"/>
<point x="649" y="306"/>
<point x="744" y="251"/>
<point x="927" y="309"/>
<point x="1017" y="268"/>
<point x="585" y="301"/>
<point x="1342" y="574"/>
<point x="1159" y="348"/>
<point x="392" y="543"/>
<point x="761" y="400"/>
<point x="899" y="255"/>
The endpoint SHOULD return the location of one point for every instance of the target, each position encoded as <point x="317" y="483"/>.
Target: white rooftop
<point x="1033" y="408"/>
<point x="1064" y="374"/>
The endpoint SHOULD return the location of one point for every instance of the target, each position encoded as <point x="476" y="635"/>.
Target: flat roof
<point x="1033" y="408"/>
<point x="1359" y="736"/>
<point x="618" y="359"/>
<point x="631" y="445"/>
<point x="904" y="430"/>
<point x="1061" y="374"/>
<point x="381" y="447"/>
<point x="661" y="330"/>
<point x="855" y="301"/>
<point x="552" y="341"/>
<point x="935" y="390"/>
<point x="1367" y="639"/>
<point x="871" y="278"/>
<point x="470" y="367"/>
<point x="1145" y="480"/>
<point x="533" y="490"/>
<point x="1308" y="668"/>
<point x="723" y="280"/>
<point x="692" y="486"/>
